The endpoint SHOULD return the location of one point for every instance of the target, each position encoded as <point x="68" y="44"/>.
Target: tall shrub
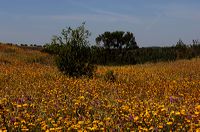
<point x="73" y="54"/>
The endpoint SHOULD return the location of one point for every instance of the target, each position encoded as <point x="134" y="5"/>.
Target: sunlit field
<point x="35" y="96"/>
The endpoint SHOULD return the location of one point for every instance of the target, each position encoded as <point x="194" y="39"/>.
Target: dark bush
<point x="110" y="76"/>
<point x="73" y="60"/>
<point x="73" y="52"/>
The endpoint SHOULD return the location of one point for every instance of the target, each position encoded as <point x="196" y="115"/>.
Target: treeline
<point x="102" y="55"/>
<point x="119" y="48"/>
<point x="142" y="55"/>
<point x="26" y="46"/>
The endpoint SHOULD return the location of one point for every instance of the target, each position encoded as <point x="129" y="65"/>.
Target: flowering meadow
<point x="35" y="96"/>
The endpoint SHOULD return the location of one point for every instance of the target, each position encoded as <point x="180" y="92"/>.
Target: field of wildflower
<point x="35" y="96"/>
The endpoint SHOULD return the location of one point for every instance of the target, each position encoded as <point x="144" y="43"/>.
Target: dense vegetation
<point x="126" y="56"/>
<point x="120" y="48"/>
<point x="35" y="96"/>
<point x="73" y="52"/>
<point x="116" y="48"/>
<point x="100" y="55"/>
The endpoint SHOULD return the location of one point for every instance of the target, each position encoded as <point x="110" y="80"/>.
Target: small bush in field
<point x="110" y="76"/>
<point x="73" y="52"/>
<point x="73" y="61"/>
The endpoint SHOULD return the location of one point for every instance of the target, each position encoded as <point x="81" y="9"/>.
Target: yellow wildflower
<point x="197" y="107"/>
<point x="183" y="112"/>
<point x="25" y="105"/>
<point x="136" y="118"/>
<point x="81" y="122"/>
<point x="19" y="106"/>
<point x="169" y="123"/>
<point x="177" y="113"/>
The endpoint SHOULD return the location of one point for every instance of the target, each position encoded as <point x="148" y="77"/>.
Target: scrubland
<point x="35" y="96"/>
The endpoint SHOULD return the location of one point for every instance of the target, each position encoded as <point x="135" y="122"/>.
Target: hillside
<point x="35" y="96"/>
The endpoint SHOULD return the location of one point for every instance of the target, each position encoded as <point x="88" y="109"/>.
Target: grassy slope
<point x="35" y="96"/>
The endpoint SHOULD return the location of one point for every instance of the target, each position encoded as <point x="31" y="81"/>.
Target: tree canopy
<point x="73" y="51"/>
<point x="117" y="40"/>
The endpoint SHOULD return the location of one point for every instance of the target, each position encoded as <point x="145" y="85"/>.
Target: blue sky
<point x="153" y="22"/>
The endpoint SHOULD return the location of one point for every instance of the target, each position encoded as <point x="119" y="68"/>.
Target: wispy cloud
<point x="118" y="16"/>
<point x="98" y="14"/>
<point x="100" y="17"/>
<point x="183" y="12"/>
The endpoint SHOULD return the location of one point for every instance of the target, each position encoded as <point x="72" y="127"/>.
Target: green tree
<point x="105" y="40"/>
<point x="117" y="40"/>
<point x="180" y="44"/>
<point x="130" y="41"/>
<point x="73" y="51"/>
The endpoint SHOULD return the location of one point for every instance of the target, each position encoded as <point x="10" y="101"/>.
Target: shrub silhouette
<point x="73" y="60"/>
<point x="110" y="76"/>
<point x="73" y="52"/>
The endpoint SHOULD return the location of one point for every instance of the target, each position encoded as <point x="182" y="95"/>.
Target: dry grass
<point x="34" y="96"/>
